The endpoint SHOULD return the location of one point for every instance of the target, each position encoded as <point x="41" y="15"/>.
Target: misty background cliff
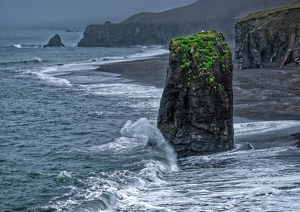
<point x="159" y="28"/>
<point x="79" y="14"/>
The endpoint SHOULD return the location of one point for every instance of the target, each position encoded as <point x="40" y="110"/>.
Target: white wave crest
<point x="19" y="46"/>
<point x="36" y="59"/>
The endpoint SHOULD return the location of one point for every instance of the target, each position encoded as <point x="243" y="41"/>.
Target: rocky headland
<point x="196" y="109"/>
<point x="160" y="28"/>
<point x="269" y="36"/>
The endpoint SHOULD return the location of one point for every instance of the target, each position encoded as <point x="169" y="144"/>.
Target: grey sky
<point x="76" y="13"/>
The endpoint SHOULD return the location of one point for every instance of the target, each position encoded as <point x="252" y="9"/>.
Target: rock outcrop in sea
<point x="196" y="109"/>
<point x="160" y="28"/>
<point x="54" y="41"/>
<point x="267" y="36"/>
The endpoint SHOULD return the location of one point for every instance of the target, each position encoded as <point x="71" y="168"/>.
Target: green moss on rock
<point x="203" y="48"/>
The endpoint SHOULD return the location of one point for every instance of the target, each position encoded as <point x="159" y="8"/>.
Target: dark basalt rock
<point x="54" y="41"/>
<point x="265" y="36"/>
<point x="196" y="108"/>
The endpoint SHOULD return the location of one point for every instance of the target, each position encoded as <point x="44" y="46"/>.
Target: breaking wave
<point x="143" y="158"/>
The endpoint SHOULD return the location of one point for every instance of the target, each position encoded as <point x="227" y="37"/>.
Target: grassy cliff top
<point x="273" y="12"/>
<point x="205" y="48"/>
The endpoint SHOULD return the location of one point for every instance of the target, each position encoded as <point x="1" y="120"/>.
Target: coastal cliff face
<point x="160" y="28"/>
<point x="265" y="36"/>
<point x="127" y="34"/>
<point x="196" y="108"/>
<point x="150" y="33"/>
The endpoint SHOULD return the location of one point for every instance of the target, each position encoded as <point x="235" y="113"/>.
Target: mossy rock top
<point x="201" y="40"/>
<point x="201" y="46"/>
<point x="206" y="48"/>
<point x="270" y="13"/>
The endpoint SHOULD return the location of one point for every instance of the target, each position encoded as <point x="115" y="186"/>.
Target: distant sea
<point x="72" y="139"/>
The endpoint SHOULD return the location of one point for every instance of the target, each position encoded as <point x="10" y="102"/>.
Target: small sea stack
<point x="54" y="41"/>
<point x="196" y="108"/>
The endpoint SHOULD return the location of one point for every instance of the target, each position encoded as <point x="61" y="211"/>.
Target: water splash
<point x="151" y="136"/>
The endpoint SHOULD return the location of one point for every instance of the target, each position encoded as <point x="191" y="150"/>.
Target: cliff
<point x="265" y="36"/>
<point x="196" y="107"/>
<point x="160" y="28"/>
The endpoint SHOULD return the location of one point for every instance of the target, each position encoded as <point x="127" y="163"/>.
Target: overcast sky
<point x="76" y="13"/>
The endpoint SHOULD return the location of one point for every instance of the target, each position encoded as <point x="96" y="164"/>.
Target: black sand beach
<point x="148" y="71"/>
<point x="271" y="93"/>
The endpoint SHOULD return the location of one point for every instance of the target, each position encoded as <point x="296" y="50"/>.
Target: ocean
<point x="76" y="139"/>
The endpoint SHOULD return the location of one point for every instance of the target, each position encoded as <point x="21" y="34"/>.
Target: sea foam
<point x="263" y="127"/>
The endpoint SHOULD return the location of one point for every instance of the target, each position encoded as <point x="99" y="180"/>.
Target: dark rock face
<point x="196" y="109"/>
<point x="127" y="34"/>
<point x="54" y="41"/>
<point x="266" y="39"/>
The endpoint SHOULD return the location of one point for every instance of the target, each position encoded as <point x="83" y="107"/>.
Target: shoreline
<point x="151" y="71"/>
<point x="267" y="94"/>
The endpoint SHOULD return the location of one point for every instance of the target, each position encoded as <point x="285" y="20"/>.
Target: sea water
<point x="75" y="141"/>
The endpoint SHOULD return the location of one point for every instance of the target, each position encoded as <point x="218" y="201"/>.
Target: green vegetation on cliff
<point x="203" y="48"/>
<point x="270" y="13"/>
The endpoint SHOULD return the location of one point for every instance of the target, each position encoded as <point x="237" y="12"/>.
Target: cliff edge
<point x="267" y="36"/>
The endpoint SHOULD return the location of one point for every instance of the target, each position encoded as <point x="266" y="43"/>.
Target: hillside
<point x="160" y="28"/>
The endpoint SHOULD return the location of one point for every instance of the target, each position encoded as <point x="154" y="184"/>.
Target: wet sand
<point x="151" y="71"/>
<point x="271" y="93"/>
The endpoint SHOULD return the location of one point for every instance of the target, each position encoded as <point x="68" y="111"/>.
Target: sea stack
<point x="269" y="36"/>
<point x="54" y="41"/>
<point x="196" y="109"/>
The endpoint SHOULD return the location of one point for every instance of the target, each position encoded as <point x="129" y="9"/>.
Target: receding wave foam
<point x="263" y="127"/>
<point x="150" y="52"/>
<point x="46" y="75"/>
<point x="147" y="52"/>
